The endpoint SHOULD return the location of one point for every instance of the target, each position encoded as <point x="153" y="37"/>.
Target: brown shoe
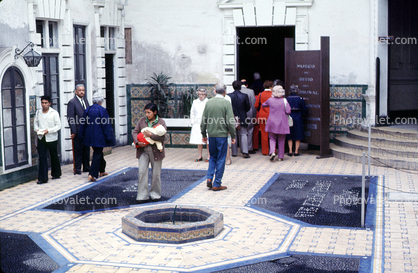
<point x="219" y="188"/>
<point x="92" y="179"/>
<point x="103" y="174"/>
<point x="209" y="183"/>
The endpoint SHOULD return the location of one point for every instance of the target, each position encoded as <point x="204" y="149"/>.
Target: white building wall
<point x="18" y="27"/>
<point x="347" y="23"/>
<point x="182" y="39"/>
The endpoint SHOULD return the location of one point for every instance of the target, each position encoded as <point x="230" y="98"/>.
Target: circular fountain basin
<point x="155" y="224"/>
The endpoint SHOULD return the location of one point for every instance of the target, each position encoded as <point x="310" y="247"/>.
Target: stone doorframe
<point x="261" y="13"/>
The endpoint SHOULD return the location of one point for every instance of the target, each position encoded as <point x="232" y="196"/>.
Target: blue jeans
<point x="217" y="148"/>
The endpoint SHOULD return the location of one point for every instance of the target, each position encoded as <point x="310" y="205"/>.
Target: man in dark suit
<point x="240" y="106"/>
<point x="75" y="112"/>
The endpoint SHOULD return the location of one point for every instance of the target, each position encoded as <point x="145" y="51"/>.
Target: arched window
<point x="14" y="119"/>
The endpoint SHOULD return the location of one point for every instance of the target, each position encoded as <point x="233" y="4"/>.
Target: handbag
<point x="289" y="118"/>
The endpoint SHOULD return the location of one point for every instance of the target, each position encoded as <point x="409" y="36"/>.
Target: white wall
<point x="182" y="39"/>
<point x="348" y="25"/>
<point x="14" y="30"/>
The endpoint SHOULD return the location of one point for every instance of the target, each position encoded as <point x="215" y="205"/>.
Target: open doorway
<point x="261" y="49"/>
<point x="403" y="59"/>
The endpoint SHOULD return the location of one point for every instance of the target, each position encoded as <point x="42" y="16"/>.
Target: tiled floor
<point x="93" y="242"/>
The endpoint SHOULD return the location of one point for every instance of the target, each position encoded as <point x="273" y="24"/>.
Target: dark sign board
<point x="310" y="71"/>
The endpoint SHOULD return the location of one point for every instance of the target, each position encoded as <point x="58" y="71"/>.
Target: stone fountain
<point x="172" y="224"/>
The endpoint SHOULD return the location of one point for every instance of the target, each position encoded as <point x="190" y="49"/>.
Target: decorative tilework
<point x="167" y="140"/>
<point x="347" y="108"/>
<point x="32" y="105"/>
<point x="152" y="224"/>
<point x="345" y="115"/>
<point x="137" y="99"/>
<point x="139" y="91"/>
<point x="93" y="242"/>
<point x="345" y="92"/>
<point x="180" y="138"/>
<point x="137" y="110"/>
<point x="33" y="136"/>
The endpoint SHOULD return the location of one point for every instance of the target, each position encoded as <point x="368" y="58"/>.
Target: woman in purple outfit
<point x="277" y="125"/>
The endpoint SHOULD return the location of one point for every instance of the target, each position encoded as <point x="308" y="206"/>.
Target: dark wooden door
<point x="80" y="55"/>
<point x="51" y="84"/>
<point x="110" y="89"/>
<point x="403" y="58"/>
<point x="51" y="78"/>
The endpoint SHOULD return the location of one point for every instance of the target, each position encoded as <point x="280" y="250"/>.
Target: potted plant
<point x="187" y="98"/>
<point x="159" y="90"/>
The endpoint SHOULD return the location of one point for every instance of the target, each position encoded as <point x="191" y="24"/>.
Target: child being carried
<point x="158" y="130"/>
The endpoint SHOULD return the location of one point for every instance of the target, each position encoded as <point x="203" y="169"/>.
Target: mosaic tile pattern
<point x="180" y="138"/>
<point x="153" y="224"/>
<point x="344" y="92"/>
<point x="347" y="108"/>
<point x="137" y="111"/>
<point x="138" y="100"/>
<point x="345" y="115"/>
<point x="33" y="137"/>
<point x="32" y="105"/>
<point x="138" y="91"/>
<point x="93" y="242"/>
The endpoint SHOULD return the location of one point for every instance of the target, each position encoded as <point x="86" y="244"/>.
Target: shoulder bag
<point x="289" y="118"/>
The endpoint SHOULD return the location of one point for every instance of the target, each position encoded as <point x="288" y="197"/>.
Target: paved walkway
<point x="93" y="242"/>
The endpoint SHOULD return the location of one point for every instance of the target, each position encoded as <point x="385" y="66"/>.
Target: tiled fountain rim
<point x="131" y="217"/>
<point x="168" y="233"/>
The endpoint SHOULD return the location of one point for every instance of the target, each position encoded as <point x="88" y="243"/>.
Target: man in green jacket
<point x="218" y="120"/>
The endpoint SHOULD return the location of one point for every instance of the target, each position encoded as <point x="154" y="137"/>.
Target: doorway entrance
<point x="261" y="49"/>
<point x="403" y="59"/>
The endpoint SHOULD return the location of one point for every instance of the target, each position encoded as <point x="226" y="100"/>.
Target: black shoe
<point x="156" y="200"/>
<point x="252" y="152"/>
<point x="56" y="177"/>
<point x="234" y="155"/>
<point x="86" y="170"/>
<point x="246" y="156"/>
<point x="142" y="201"/>
<point x="77" y="172"/>
<point x="41" y="182"/>
<point x="290" y="154"/>
<point x="209" y="183"/>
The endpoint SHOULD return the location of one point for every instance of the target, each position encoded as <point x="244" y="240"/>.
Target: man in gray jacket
<point x="250" y="114"/>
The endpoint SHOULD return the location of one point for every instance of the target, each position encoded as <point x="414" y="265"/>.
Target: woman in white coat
<point x="195" y="118"/>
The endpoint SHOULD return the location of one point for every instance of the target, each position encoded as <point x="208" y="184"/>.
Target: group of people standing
<point x="90" y="126"/>
<point x="265" y="113"/>
<point x="215" y="122"/>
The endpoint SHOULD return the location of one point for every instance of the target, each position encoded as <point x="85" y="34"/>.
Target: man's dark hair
<point x="48" y="98"/>
<point x="151" y="106"/>
<point x="244" y="82"/>
<point x="236" y="85"/>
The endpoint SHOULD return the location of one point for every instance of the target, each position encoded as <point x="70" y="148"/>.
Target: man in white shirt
<point x="47" y="124"/>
